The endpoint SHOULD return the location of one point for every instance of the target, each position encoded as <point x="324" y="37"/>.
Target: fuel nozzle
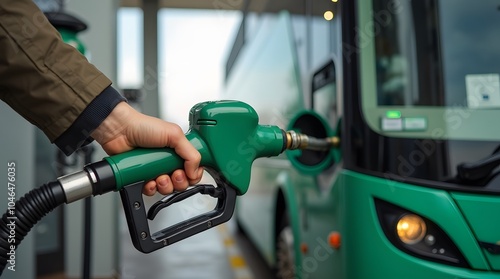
<point x="296" y="140"/>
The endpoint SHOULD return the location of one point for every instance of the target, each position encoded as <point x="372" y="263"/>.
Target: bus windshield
<point x="431" y="68"/>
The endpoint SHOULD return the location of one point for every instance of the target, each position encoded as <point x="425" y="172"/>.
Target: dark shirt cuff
<point x="78" y="134"/>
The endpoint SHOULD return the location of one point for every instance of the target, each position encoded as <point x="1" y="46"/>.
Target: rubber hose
<point x="28" y="211"/>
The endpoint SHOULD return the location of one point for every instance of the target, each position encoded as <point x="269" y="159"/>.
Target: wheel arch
<point x="287" y="202"/>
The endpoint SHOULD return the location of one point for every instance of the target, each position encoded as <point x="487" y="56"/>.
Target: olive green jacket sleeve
<point x="45" y="80"/>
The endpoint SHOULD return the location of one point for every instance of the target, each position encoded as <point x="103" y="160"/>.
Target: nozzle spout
<point x="296" y="140"/>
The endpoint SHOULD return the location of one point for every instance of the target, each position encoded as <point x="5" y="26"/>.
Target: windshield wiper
<point x="479" y="172"/>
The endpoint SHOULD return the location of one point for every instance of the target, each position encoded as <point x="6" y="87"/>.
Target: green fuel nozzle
<point x="229" y="138"/>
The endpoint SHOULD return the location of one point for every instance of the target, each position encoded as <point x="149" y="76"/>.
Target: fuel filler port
<point x="318" y="144"/>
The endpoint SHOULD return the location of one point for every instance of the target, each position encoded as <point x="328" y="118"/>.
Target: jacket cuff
<point x="78" y="134"/>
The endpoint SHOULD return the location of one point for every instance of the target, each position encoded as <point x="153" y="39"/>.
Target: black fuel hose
<point x="28" y="210"/>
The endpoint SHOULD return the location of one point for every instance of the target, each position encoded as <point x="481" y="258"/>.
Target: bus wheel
<point x="285" y="259"/>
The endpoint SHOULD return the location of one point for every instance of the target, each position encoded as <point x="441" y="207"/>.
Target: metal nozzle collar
<point x="76" y="186"/>
<point x="296" y="141"/>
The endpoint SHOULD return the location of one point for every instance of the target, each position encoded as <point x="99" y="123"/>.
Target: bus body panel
<point x="254" y="212"/>
<point x="482" y="213"/>
<point x="349" y="209"/>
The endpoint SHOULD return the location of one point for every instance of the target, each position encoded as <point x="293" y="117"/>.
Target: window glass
<point x="430" y="67"/>
<point x="193" y="46"/>
<point x="129" y="56"/>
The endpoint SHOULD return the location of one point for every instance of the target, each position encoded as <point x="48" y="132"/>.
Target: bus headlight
<point x="411" y="228"/>
<point x="417" y="235"/>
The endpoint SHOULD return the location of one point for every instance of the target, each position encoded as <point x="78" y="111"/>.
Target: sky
<point x="193" y="46"/>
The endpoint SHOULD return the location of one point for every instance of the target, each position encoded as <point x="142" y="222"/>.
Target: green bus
<point x="407" y="89"/>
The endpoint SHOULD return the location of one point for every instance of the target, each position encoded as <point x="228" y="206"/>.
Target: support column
<point x="150" y="104"/>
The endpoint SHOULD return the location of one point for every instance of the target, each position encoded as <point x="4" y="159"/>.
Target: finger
<point x="149" y="188"/>
<point x="186" y="150"/>
<point x="170" y="135"/>
<point x="164" y="184"/>
<point x="179" y="180"/>
<point x="199" y="175"/>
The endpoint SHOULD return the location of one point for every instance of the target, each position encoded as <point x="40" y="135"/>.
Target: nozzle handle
<point x="143" y="164"/>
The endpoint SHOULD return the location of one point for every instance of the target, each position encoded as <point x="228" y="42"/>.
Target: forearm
<point x="81" y="130"/>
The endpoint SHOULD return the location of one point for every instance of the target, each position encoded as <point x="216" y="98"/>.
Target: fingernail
<point x="178" y="178"/>
<point x="162" y="182"/>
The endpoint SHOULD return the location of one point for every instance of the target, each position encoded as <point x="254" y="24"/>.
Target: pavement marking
<point x="235" y="257"/>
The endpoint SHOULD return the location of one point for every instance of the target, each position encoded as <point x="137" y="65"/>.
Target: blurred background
<point x="164" y="56"/>
<point x="404" y="92"/>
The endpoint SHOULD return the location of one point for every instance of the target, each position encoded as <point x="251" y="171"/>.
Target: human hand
<point x="125" y="128"/>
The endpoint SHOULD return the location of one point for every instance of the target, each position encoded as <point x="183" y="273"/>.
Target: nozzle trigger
<point x="204" y="189"/>
<point x="137" y="219"/>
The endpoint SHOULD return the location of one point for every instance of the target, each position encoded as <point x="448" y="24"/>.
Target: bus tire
<point x="285" y="258"/>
